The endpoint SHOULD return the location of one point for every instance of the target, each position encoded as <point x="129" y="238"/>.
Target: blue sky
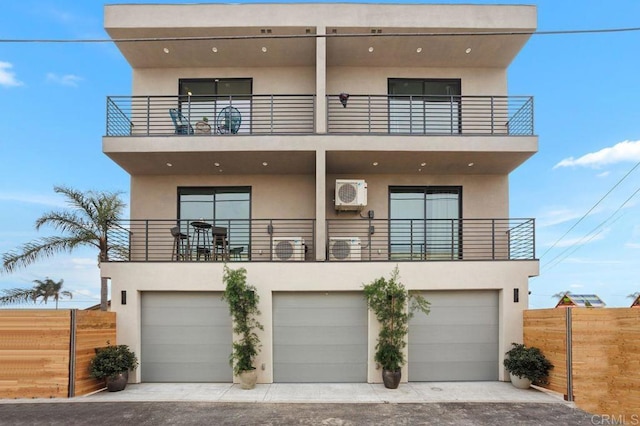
<point x="586" y="89"/>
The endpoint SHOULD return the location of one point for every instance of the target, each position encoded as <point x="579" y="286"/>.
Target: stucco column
<point x="321" y="200"/>
<point x="321" y="81"/>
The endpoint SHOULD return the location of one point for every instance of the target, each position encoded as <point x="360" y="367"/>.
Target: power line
<point x="295" y="36"/>
<point x="578" y="243"/>
<point x="591" y="209"/>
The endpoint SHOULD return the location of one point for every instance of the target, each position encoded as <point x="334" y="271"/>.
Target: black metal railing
<point x="430" y="115"/>
<point x="206" y="115"/>
<point x="430" y="239"/>
<point x="275" y="240"/>
<point x="205" y="239"/>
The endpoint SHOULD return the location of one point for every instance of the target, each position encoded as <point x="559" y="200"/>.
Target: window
<point x="424" y="222"/>
<point x="424" y="106"/>
<point x="227" y="207"/>
<point x="206" y="97"/>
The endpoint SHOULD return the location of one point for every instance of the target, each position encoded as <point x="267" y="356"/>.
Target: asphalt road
<point x="206" y="413"/>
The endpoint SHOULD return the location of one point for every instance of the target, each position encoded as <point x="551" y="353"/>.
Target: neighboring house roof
<point x="581" y="301"/>
<point x="636" y="303"/>
<point x="97" y="307"/>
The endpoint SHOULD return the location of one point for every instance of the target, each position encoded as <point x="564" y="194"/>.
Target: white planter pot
<point x="248" y="379"/>
<point x="520" y="382"/>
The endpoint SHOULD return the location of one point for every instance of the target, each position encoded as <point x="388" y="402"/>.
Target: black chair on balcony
<point x="229" y="120"/>
<point x="181" y="250"/>
<point x="181" y="124"/>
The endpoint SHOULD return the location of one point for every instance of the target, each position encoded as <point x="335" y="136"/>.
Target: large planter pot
<point x="391" y="379"/>
<point x="118" y="382"/>
<point x="520" y="382"/>
<point x="248" y="379"/>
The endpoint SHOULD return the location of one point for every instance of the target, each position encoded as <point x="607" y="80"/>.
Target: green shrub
<point x="112" y="360"/>
<point x="527" y="362"/>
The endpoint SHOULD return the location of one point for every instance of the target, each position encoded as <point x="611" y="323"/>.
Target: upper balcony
<point x="296" y="114"/>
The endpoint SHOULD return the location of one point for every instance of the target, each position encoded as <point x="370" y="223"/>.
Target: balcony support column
<point x="321" y="208"/>
<point x="321" y="80"/>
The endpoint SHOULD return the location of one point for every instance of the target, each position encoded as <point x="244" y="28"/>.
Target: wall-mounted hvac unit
<point x="344" y="248"/>
<point x="288" y="248"/>
<point x="351" y="194"/>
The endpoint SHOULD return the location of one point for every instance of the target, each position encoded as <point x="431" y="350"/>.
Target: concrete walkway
<point x="431" y="392"/>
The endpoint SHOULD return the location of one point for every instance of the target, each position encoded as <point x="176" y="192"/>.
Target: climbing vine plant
<point x="242" y="299"/>
<point x="393" y="307"/>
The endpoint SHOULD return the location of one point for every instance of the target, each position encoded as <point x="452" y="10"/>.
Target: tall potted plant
<point x="526" y="365"/>
<point x="393" y="307"/>
<point x="113" y="363"/>
<point x="243" y="299"/>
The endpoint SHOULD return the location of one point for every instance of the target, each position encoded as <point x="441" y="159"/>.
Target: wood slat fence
<point x="596" y="356"/>
<point x="45" y="353"/>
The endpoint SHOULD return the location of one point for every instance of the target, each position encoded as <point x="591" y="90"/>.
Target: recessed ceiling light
<point x="216" y="164"/>
<point x="370" y="49"/>
<point x="264" y="49"/>
<point x="468" y="50"/>
<point x="169" y="165"/>
<point x="419" y="49"/>
<point x="264" y="163"/>
<point x="165" y="50"/>
<point x="214" y="49"/>
<point x="470" y="164"/>
<point x="423" y="164"/>
<point x="375" y="163"/>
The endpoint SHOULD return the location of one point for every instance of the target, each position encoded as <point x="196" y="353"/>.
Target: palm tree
<point x="42" y="290"/>
<point x="561" y="294"/>
<point x="634" y="296"/>
<point x="85" y="224"/>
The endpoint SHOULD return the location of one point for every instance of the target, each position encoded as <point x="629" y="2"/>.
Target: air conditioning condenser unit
<point x="288" y="249"/>
<point x="345" y="248"/>
<point x="351" y="194"/>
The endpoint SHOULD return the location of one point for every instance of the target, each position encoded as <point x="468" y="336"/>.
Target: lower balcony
<point x="293" y="240"/>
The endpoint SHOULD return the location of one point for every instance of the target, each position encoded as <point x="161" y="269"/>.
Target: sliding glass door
<point x="424" y="222"/>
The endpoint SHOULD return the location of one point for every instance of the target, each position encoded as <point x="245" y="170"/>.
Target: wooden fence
<point x="46" y="353"/>
<point x="595" y="353"/>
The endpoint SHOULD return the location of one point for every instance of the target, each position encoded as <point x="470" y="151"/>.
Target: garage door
<point x="186" y="337"/>
<point x="458" y="340"/>
<point x="319" y="337"/>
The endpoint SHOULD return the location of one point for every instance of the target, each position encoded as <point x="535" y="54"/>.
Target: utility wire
<point x="295" y="36"/>
<point x="591" y="209"/>
<point x="579" y="242"/>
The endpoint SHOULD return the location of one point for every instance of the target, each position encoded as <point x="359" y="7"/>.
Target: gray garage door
<point x="186" y="337"/>
<point x="458" y="340"/>
<point x="319" y="337"/>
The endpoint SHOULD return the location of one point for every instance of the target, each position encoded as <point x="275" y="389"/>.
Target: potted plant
<point x="526" y="365"/>
<point x="113" y="363"/>
<point x="393" y="307"/>
<point x="243" y="299"/>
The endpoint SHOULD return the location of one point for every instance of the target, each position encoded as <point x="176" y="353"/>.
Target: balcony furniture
<point x="236" y="253"/>
<point x="180" y="244"/>
<point x="220" y="243"/>
<point x="181" y="124"/>
<point x="203" y="241"/>
<point x="203" y="128"/>
<point x="229" y="120"/>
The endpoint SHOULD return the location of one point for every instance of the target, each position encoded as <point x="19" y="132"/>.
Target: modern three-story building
<point x="319" y="146"/>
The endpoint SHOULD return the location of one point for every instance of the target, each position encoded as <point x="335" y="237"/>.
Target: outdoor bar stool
<point x="180" y="244"/>
<point x="203" y="240"/>
<point x="220" y="243"/>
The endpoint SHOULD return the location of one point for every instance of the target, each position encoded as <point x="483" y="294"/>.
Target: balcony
<point x="290" y="240"/>
<point x="296" y="114"/>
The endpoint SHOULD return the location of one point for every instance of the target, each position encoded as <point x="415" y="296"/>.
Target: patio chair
<point x="229" y="120"/>
<point x="180" y="244"/>
<point x="181" y="124"/>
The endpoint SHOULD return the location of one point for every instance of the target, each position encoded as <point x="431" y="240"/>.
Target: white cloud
<point x="603" y="174"/>
<point x="556" y="217"/>
<point x="576" y="286"/>
<point x="632" y="245"/>
<point x="8" y="78"/>
<point x="581" y="240"/>
<point x="64" y="80"/>
<point x="620" y="152"/>
<point x="47" y="200"/>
